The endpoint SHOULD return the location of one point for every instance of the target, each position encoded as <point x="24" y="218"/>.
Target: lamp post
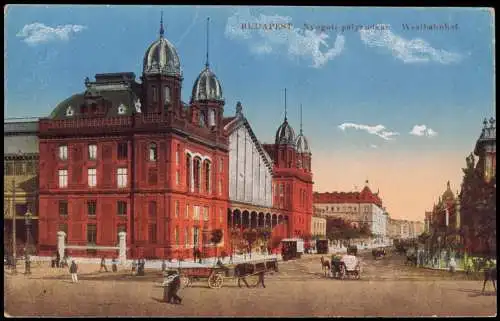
<point x="27" y="220"/>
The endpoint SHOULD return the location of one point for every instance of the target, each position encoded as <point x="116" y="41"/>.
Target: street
<point x="387" y="288"/>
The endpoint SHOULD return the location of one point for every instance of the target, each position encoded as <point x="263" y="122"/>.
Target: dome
<point x="302" y="144"/>
<point x="161" y="58"/>
<point x="285" y="134"/>
<point x="207" y="87"/>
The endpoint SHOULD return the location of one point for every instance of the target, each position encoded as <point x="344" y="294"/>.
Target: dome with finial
<point x="301" y="142"/>
<point x="207" y="86"/>
<point x="285" y="135"/>
<point x="161" y="57"/>
<point x="448" y="194"/>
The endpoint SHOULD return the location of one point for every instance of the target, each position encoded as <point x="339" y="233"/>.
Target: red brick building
<point x="129" y="156"/>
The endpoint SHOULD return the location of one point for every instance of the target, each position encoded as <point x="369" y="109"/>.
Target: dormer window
<point x="202" y="119"/>
<point x="166" y="94"/>
<point x="153" y="152"/>
<point x="69" y="111"/>
<point x="122" y="109"/>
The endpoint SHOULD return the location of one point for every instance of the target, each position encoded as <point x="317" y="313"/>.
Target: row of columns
<point x="200" y="168"/>
<point x="247" y="219"/>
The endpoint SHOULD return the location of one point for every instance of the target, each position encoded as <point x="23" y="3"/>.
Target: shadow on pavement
<point x="475" y="293"/>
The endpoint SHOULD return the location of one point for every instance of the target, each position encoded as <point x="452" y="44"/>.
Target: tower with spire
<point x="162" y="76"/>
<point x="292" y="176"/>
<point x="486" y="150"/>
<point x="207" y="102"/>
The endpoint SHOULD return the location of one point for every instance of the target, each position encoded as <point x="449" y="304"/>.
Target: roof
<point x="11" y="126"/>
<point x="20" y="137"/>
<point x="365" y="196"/>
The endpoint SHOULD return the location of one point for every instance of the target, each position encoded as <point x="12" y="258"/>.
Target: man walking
<point x="73" y="269"/>
<point x="163" y="266"/>
<point x="27" y="265"/>
<point x="103" y="265"/>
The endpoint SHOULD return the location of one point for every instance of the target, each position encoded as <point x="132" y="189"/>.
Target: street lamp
<point x="27" y="220"/>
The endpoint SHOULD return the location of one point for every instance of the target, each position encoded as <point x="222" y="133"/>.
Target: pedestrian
<point x="134" y="267"/>
<point x="27" y="265"/>
<point x="452" y="264"/>
<point x="103" y="265"/>
<point x="73" y="269"/>
<point x="58" y="258"/>
<point x="171" y="287"/>
<point x="163" y="265"/>
<point x="114" y="266"/>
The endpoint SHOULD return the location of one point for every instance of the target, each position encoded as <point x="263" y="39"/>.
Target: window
<point x="30" y="168"/>
<point x="63" y="208"/>
<point x="122" y="150"/>
<point x="63" y="178"/>
<point x="177" y="177"/>
<point x="195" y="236"/>
<point x="178" y="154"/>
<point x="152" y="232"/>
<point x="166" y="94"/>
<point x="221" y="215"/>
<point x="188" y="171"/>
<point x="122" y="177"/>
<point x="153" y="152"/>
<point x="205" y="213"/>
<point x="8" y="168"/>
<point x="211" y="118"/>
<point x="152" y="211"/>
<point x="120" y="228"/>
<point x="186" y="236"/>
<point x="207" y="177"/>
<point x="197" y="172"/>
<point x="92" y="177"/>
<point x="177" y="208"/>
<point x="91" y="234"/>
<point x="155" y="94"/>
<point x="220" y="187"/>
<point x="203" y="118"/>
<point x="91" y="207"/>
<point x="69" y="111"/>
<point x="187" y="211"/>
<point x="19" y="168"/>
<point x="122" y="109"/>
<point x="63" y="152"/>
<point x="196" y="214"/>
<point x="92" y="151"/>
<point x="221" y="164"/>
<point x="122" y="208"/>
<point x="153" y="176"/>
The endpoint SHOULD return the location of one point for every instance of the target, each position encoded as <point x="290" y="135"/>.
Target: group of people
<point x="138" y="267"/>
<point x="57" y="262"/>
<point x="114" y="265"/>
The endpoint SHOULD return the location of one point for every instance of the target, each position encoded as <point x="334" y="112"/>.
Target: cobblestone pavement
<point x="387" y="288"/>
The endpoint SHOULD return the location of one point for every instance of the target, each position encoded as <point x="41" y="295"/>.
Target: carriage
<point x="346" y="266"/>
<point x="216" y="276"/>
<point x="292" y="248"/>
<point x="322" y="246"/>
<point x="378" y="253"/>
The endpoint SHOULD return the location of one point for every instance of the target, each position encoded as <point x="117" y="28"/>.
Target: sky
<point x="384" y="100"/>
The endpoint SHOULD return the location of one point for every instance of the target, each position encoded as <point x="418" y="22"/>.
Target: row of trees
<point x="340" y="229"/>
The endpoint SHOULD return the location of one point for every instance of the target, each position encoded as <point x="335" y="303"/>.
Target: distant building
<point x="363" y="207"/>
<point x="318" y="226"/>
<point x="20" y="192"/>
<point x="404" y="229"/>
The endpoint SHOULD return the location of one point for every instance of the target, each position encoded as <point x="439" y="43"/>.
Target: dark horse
<point x="325" y="265"/>
<point x="490" y="274"/>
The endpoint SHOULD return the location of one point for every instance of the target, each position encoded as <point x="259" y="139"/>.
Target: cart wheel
<point x="253" y="280"/>
<point x="185" y="281"/>
<point x="215" y="281"/>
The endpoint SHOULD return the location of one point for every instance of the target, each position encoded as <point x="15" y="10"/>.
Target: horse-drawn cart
<point x="216" y="275"/>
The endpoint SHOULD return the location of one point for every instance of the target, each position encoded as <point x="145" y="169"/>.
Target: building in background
<point x="318" y="226"/>
<point x="20" y="180"/>
<point x="363" y="207"/>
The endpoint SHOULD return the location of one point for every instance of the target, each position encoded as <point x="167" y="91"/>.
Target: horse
<point x="490" y="274"/>
<point x="325" y="265"/>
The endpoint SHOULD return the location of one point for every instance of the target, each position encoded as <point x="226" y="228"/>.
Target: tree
<point x="235" y="238"/>
<point x="250" y="236"/>
<point x="216" y="238"/>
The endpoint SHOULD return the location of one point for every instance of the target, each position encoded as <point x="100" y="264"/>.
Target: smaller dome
<point x="207" y="87"/>
<point x="285" y="134"/>
<point x="161" y="58"/>
<point x="302" y="144"/>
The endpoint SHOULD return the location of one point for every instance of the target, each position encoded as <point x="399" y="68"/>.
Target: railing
<point x="49" y="124"/>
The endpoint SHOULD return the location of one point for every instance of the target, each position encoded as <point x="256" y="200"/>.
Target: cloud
<point x="37" y="33"/>
<point x="188" y="29"/>
<point x="373" y="146"/>
<point x="423" y="130"/>
<point x="409" y="51"/>
<point x="378" y="130"/>
<point x="306" y="44"/>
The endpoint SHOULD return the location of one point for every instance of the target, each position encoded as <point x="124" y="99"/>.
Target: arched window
<point x="188" y="171"/>
<point x="203" y="119"/>
<point x="211" y="118"/>
<point x="153" y="152"/>
<point x="208" y="179"/>
<point x="197" y="173"/>
<point x="166" y="94"/>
